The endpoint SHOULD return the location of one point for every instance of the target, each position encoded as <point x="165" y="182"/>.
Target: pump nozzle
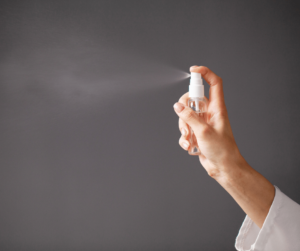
<point x="196" y="88"/>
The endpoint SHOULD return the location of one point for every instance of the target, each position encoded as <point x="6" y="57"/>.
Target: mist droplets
<point x="83" y="74"/>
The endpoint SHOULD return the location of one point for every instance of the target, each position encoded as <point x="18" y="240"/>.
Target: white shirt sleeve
<point x="280" y="231"/>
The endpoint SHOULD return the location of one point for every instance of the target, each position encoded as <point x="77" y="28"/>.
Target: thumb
<point x="191" y="118"/>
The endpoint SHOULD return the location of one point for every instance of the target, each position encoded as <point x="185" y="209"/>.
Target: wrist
<point x="251" y="190"/>
<point x="232" y="168"/>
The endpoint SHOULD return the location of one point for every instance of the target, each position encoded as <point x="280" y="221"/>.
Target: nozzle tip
<point x="195" y="75"/>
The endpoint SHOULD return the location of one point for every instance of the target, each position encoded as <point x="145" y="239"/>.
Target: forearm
<point x="251" y="190"/>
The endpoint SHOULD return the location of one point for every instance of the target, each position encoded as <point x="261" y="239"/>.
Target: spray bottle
<point x="198" y="103"/>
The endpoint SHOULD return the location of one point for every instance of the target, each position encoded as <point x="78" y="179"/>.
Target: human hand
<point x="220" y="155"/>
<point x="219" y="152"/>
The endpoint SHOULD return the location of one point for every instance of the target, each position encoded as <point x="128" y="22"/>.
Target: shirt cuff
<point x="250" y="236"/>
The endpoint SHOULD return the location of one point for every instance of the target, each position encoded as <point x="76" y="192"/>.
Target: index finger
<point x="216" y="84"/>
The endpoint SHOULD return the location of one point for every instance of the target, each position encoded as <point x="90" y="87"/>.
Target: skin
<point x="220" y="155"/>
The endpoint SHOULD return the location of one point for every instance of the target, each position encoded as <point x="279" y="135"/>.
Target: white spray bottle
<point x="199" y="104"/>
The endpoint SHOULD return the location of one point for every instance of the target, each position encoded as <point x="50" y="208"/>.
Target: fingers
<point x="184" y="143"/>
<point x="216" y="93"/>
<point x="183" y="128"/>
<point x="190" y="117"/>
<point x="184" y="99"/>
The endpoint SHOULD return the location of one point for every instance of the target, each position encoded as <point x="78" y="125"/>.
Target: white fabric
<point x="280" y="231"/>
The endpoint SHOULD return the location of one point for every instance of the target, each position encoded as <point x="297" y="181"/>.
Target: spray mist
<point x="199" y="104"/>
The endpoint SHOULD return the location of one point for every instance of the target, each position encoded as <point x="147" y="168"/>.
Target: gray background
<point x="89" y="140"/>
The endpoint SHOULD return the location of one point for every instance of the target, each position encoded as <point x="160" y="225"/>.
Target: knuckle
<point x="188" y="114"/>
<point x="217" y="80"/>
<point x="222" y="115"/>
<point x="180" y="141"/>
<point x="186" y="132"/>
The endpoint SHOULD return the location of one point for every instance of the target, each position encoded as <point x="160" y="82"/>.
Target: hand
<point x="215" y="138"/>
<point x="220" y="155"/>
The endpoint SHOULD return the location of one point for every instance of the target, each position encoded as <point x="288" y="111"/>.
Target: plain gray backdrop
<point x="89" y="156"/>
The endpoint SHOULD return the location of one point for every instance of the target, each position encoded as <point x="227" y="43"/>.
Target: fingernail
<point x="185" y="145"/>
<point x="194" y="68"/>
<point x="178" y="107"/>
<point x="183" y="132"/>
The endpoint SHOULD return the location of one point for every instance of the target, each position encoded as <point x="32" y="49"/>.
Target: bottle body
<point x="199" y="105"/>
